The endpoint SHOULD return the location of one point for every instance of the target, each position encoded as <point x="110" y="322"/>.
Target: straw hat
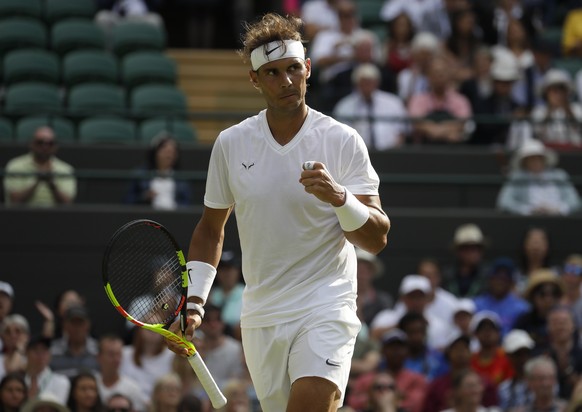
<point x="539" y="277"/>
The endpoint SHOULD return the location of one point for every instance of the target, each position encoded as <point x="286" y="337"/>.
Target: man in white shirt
<point x="377" y="115"/>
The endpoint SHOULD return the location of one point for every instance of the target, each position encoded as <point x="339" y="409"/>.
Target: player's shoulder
<point x="327" y="124"/>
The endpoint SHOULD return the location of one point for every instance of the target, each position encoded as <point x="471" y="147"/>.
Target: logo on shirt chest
<point x="248" y="165"/>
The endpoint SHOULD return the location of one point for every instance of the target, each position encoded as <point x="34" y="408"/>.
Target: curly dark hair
<point x="270" y="27"/>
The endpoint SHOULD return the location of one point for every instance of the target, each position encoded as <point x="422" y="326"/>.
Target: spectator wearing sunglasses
<point x="383" y="395"/>
<point x="39" y="178"/>
<point x="571" y="275"/>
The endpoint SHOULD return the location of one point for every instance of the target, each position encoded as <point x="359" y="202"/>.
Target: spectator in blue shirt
<point x="499" y="296"/>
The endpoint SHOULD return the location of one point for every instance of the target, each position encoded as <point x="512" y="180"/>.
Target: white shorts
<point x="319" y="345"/>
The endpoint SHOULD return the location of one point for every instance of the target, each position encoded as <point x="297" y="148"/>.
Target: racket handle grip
<point x="216" y="397"/>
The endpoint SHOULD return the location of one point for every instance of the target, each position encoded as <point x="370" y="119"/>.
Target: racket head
<point x="144" y="274"/>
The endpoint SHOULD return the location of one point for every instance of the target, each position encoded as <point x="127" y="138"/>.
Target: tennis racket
<point x="145" y="277"/>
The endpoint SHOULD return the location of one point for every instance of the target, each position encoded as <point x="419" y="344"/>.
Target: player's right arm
<point x="205" y="246"/>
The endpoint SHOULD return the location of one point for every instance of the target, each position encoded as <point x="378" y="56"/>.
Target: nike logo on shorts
<point x="332" y="363"/>
<point x="272" y="50"/>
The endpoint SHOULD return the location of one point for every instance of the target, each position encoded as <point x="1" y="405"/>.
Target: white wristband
<point x="353" y="214"/>
<point x="196" y="307"/>
<point x="200" y="278"/>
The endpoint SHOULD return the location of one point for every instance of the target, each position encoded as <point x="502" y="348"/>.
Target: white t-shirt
<point x="125" y="386"/>
<point x="295" y="256"/>
<point x="165" y="190"/>
<point x="152" y="368"/>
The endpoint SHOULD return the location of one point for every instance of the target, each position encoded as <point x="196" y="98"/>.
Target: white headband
<point x="275" y="50"/>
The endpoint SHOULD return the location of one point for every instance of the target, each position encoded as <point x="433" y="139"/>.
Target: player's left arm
<point x="363" y="221"/>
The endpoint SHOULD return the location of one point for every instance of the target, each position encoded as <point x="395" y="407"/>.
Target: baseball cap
<point x="7" y="288"/>
<point x="410" y="283"/>
<point x="465" y="305"/>
<point x="482" y="316"/>
<point x="39" y="340"/>
<point x="394" y="335"/>
<point x="502" y="266"/>
<point x="468" y="234"/>
<point x="76" y="312"/>
<point x="228" y="258"/>
<point x="455" y="336"/>
<point x="517" y="339"/>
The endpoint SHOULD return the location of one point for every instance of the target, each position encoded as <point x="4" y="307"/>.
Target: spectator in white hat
<point x="514" y="392"/>
<point x="557" y="121"/>
<point x="536" y="186"/>
<point x="6" y="300"/>
<point x="413" y="293"/>
<point x="465" y="277"/>
<point x="463" y="314"/>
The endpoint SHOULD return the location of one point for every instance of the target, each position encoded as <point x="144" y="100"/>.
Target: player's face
<point x="283" y="83"/>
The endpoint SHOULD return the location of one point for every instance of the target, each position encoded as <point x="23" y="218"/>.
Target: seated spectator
<point x="332" y="51"/>
<point x="227" y="292"/>
<point x="15" y="334"/>
<point x="441" y="302"/>
<point x="371" y="299"/>
<point x="536" y="186"/>
<point x="432" y="16"/>
<point x="544" y="290"/>
<point x="382" y="394"/>
<point x="318" y="15"/>
<point x="467" y="393"/>
<point x="564" y="348"/>
<point x="40" y="379"/>
<point x="441" y="112"/>
<point x="413" y="80"/>
<point x="52" y="326"/>
<point x="513" y="392"/>
<point x="366" y="51"/>
<point x="375" y="114"/>
<point x="46" y="180"/>
<point x="465" y="276"/>
<point x="237" y="398"/>
<point x="479" y="87"/>
<point x="118" y="11"/>
<point x="157" y="185"/>
<point x="421" y="358"/>
<point x="543" y="52"/>
<point x="6" y="301"/>
<point x="571" y="274"/>
<point x="463" y="44"/>
<point x="46" y="402"/>
<point x="77" y="349"/>
<point x="490" y="359"/>
<point x="84" y="395"/>
<point x="572" y="32"/>
<point x="518" y="45"/>
<point x="398" y="43"/>
<point x="12" y="392"/>
<point x="534" y="253"/>
<point x="500" y="297"/>
<point x="495" y="112"/>
<point x="557" y="121"/>
<point x="166" y="393"/>
<point x="463" y="315"/>
<point x="413" y="293"/>
<point x="541" y="379"/>
<point x="457" y="354"/>
<point x="118" y="403"/>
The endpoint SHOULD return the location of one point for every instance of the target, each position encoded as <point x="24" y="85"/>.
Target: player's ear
<point x="254" y="80"/>
<point x="308" y="67"/>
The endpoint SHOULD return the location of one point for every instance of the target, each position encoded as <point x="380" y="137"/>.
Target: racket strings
<point x="145" y="274"/>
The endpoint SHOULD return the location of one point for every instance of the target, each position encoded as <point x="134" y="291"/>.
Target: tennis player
<point x="298" y="225"/>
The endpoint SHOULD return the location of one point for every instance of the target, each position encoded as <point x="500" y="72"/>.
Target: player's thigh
<point x="313" y="394"/>
<point x="324" y="347"/>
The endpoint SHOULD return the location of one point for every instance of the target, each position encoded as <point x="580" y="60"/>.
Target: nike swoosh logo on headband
<point x="272" y="50"/>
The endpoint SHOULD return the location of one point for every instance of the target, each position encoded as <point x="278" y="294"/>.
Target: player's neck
<point x="284" y="125"/>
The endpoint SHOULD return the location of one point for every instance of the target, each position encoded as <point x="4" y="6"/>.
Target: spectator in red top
<point x="443" y="110"/>
<point x="490" y="360"/>
<point x="398" y="44"/>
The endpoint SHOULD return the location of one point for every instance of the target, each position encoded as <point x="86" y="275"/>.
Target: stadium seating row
<point x="49" y="11"/>
<point x="98" y="129"/>
<point x="87" y="65"/>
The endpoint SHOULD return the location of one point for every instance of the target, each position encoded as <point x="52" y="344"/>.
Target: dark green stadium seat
<point x="369" y="12"/>
<point x="20" y="8"/>
<point x="6" y="130"/>
<point x="157" y="99"/>
<point x="32" y="97"/>
<point x="84" y="66"/>
<point x="180" y="129"/>
<point x="107" y="130"/>
<point x="73" y="34"/>
<point x="132" y="36"/>
<point x="19" y="33"/>
<point x="58" y="10"/>
<point x="147" y="67"/>
<point x="63" y="127"/>
<point x="31" y="65"/>
<point x="96" y="98"/>
<point x="571" y="65"/>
